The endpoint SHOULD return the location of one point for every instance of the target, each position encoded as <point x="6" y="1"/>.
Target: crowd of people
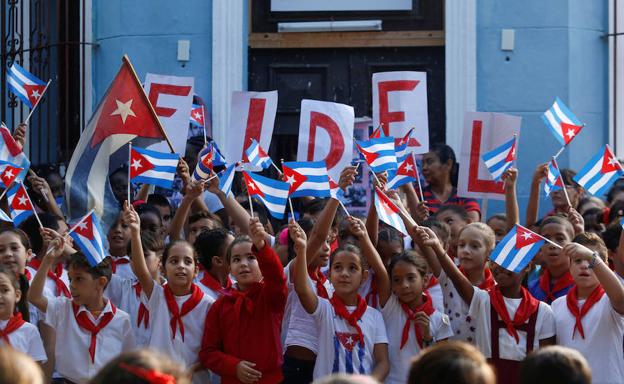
<point x="206" y="291"/>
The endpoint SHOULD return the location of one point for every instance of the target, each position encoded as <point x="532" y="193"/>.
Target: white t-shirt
<point x="604" y="337"/>
<point x="507" y="347"/>
<point x="456" y="309"/>
<point x="338" y="351"/>
<point x="122" y="293"/>
<point x="73" y="361"/>
<point x="49" y="292"/>
<point x="400" y="359"/>
<point x="124" y="270"/>
<point x="437" y="297"/>
<point x="298" y="326"/>
<point x="26" y="339"/>
<point x="365" y="290"/>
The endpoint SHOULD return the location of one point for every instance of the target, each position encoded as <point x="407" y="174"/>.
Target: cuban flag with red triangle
<point x="256" y="156"/>
<point x="406" y="173"/>
<point x="9" y="173"/>
<point x="26" y="86"/>
<point x="388" y="212"/>
<point x="272" y="193"/>
<point x="20" y="205"/>
<point x="517" y="249"/>
<point x="197" y="115"/>
<point x="562" y="122"/>
<point x="500" y="158"/>
<point x="205" y="164"/>
<point x="377" y="133"/>
<point x="600" y="172"/>
<point x="554" y="181"/>
<point x="402" y="146"/>
<point x="349" y="354"/>
<point x="87" y="234"/>
<point x="307" y="178"/>
<point x="378" y="153"/>
<point x="11" y="152"/>
<point x="152" y="167"/>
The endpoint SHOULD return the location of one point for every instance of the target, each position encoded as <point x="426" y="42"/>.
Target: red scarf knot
<point x="61" y="288"/>
<point x="427" y="308"/>
<point x="14" y="323"/>
<point x="488" y="280"/>
<point x="150" y="375"/>
<point x="118" y="261"/>
<point x="544" y="283"/>
<point x="187" y="306"/>
<point x="82" y="318"/>
<point x="143" y="315"/>
<point x="572" y="302"/>
<point x="353" y="317"/>
<point x="319" y="278"/>
<point x="209" y="281"/>
<point x="528" y="306"/>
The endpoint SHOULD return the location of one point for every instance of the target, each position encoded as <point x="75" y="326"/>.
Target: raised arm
<point x="193" y="191"/>
<point x="270" y="265"/>
<point x="533" y="206"/>
<point x="40" y="185"/>
<point x="461" y="282"/>
<point x="417" y="209"/>
<point x="132" y="220"/>
<point x="511" y="201"/>
<point x="309" y="300"/>
<point x="53" y="253"/>
<point x="235" y="211"/>
<point x="372" y="259"/>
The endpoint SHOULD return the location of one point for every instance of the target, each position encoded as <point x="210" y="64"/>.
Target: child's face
<point x="244" y="265"/>
<point x="152" y="259"/>
<point x="389" y="248"/>
<point x="180" y="267"/>
<point x="455" y="223"/>
<point x="83" y="287"/>
<point x="151" y="223"/>
<point x="346" y="273"/>
<point x="583" y="276"/>
<point x="407" y="282"/>
<point x="118" y="237"/>
<point x="165" y="214"/>
<point x="9" y="296"/>
<point x="559" y="200"/>
<point x="13" y="254"/>
<point x="552" y="255"/>
<point x="322" y="256"/>
<point x="499" y="227"/>
<point x="197" y="227"/>
<point x="472" y="250"/>
<point x="505" y="278"/>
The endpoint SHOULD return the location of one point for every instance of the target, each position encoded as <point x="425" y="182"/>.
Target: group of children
<point x="234" y="297"/>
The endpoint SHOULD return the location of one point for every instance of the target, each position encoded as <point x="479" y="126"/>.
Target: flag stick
<point x="5" y="190"/>
<point x="45" y="197"/>
<point x="343" y="207"/>
<point x="35" y="106"/>
<point x="204" y="125"/>
<point x="422" y="197"/>
<point x="559" y="152"/>
<point x="484" y="209"/>
<point x="277" y="169"/>
<point x="376" y="178"/>
<point x="515" y="164"/>
<point x="250" y="203"/>
<point x="565" y="191"/>
<point x="129" y="167"/>
<point x="292" y="211"/>
<point x="73" y="228"/>
<point x="32" y="205"/>
<point x="549" y="241"/>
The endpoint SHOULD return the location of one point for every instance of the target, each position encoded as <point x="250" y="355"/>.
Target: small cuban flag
<point x="554" y="181"/>
<point x="26" y="86"/>
<point x="388" y="212"/>
<point x="401" y="146"/>
<point x="9" y="173"/>
<point x="272" y="193"/>
<point x="152" y="167"/>
<point x="11" y="151"/>
<point x="197" y="115"/>
<point x="87" y="234"/>
<point x="217" y="158"/>
<point x="378" y="153"/>
<point x="226" y="179"/>
<point x="334" y="189"/>
<point x="517" y="249"/>
<point x="205" y="164"/>
<point x="562" y="122"/>
<point x="19" y="202"/>
<point x="600" y="172"/>
<point x="406" y="173"/>
<point x="500" y="159"/>
<point x="256" y="156"/>
<point x="377" y="133"/>
<point x="307" y="178"/>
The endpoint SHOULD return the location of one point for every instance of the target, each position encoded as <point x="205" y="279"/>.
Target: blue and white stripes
<point x="19" y="80"/>
<point x="159" y="169"/>
<point x="516" y="249"/>
<point x="500" y="159"/>
<point x="313" y="177"/>
<point x="600" y="172"/>
<point x="272" y="193"/>
<point x="557" y="117"/>
<point x="379" y="153"/>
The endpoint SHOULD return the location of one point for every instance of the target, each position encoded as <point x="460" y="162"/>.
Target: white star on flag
<point x="136" y="164"/>
<point x="570" y="133"/>
<point x="252" y="186"/>
<point x="613" y="161"/>
<point x="8" y="174"/>
<point x="82" y="225"/>
<point x="349" y="340"/>
<point x="197" y="115"/>
<point x="527" y="235"/>
<point x="22" y="200"/>
<point x="290" y="179"/>
<point x="408" y="167"/>
<point x="35" y="94"/>
<point x="123" y="110"/>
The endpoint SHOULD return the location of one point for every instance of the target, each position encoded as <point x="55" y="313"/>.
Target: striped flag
<point x="307" y="178"/>
<point x="87" y="234"/>
<point x="272" y="193"/>
<point x="600" y="172"/>
<point x="401" y="146"/>
<point x="334" y="189"/>
<point x="20" y="205"/>
<point x="378" y="153"/>
<point x="388" y="212"/>
<point x="26" y="86"/>
<point x="152" y="167"/>
<point x="562" y="122"/>
<point x="554" y="181"/>
<point x="256" y="156"/>
<point x="10" y="172"/>
<point x="11" y="151"/>
<point x="406" y="173"/>
<point x="205" y="164"/>
<point x="197" y="115"/>
<point x="377" y="133"/>
<point x="500" y="159"/>
<point x="226" y="178"/>
<point x="517" y="249"/>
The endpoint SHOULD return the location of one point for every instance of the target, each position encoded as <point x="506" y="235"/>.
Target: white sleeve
<point x="322" y="312"/>
<point x="156" y="299"/>
<point x="547" y="328"/>
<point x="54" y="311"/>
<point x="128" y="342"/>
<point x="391" y="306"/>
<point x="115" y="289"/>
<point x="479" y="304"/>
<point x="381" y="337"/>
<point x="441" y="327"/>
<point x="35" y="346"/>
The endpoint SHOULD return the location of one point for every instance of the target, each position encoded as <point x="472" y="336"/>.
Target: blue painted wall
<point x="559" y="51"/>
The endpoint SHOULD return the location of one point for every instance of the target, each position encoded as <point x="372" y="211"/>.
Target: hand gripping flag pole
<point x="32" y="205"/>
<point x="563" y="186"/>
<point x="129" y="165"/>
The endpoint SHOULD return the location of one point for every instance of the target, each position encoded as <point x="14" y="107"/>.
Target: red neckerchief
<point x="118" y="261"/>
<point x="61" y="288"/>
<point x="371" y="296"/>
<point x="209" y="281"/>
<point x="319" y="278"/>
<point x="27" y="274"/>
<point x="353" y="317"/>
<point x="527" y="307"/>
<point x="188" y="306"/>
<point x="432" y="281"/>
<point x="427" y="308"/>
<point x="488" y="280"/>
<point x="563" y="282"/>
<point x="143" y="315"/>
<point x="572" y="301"/>
<point x="242" y="299"/>
<point x="14" y="323"/>
<point x="85" y="323"/>
<point x="152" y="376"/>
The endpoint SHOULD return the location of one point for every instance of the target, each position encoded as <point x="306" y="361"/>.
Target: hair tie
<point x="150" y="375"/>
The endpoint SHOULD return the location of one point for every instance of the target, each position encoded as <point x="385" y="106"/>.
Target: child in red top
<point x="241" y="340"/>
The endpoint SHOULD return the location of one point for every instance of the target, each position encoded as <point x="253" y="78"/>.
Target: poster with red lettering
<point x="326" y="133"/>
<point x="483" y="131"/>
<point x="399" y="104"/>
<point x="172" y="99"/>
<point x="252" y="117"/>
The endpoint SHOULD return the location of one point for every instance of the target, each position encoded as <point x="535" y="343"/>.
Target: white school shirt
<point x="121" y="292"/>
<point x="507" y="347"/>
<point x="338" y="351"/>
<point x="437" y="297"/>
<point x="456" y="309"/>
<point x="26" y="339"/>
<point x="365" y="289"/>
<point x="184" y="352"/>
<point x="49" y="292"/>
<point x="604" y="337"/>
<point x="298" y="326"/>
<point x="400" y="359"/>
<point x="124" y="270"/>
<point x="73" y="361"/>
